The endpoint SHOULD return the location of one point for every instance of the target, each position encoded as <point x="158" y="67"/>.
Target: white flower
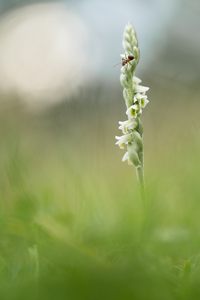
<point x="133" y="111"/>
<point x="141" y="89"/>
<point x="131" y="156"/>
<point x="125" y="157"/>
<point x="136" y="80"/>
<point x="123" y="140"/>
<point x="127" y="125"/>
<point x="141" y="99"/>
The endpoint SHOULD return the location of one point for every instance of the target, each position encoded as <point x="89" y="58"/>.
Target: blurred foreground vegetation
<point x="72" y="224"/>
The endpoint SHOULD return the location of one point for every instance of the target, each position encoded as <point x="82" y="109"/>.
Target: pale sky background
<point x="48" y="50"/>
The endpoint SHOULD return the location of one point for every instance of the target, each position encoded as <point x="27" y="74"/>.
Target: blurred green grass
<point x="72" y="224"/>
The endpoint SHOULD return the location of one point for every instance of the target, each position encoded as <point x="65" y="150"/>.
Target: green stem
<point x="140" y="169"/>
<point x="140" y="175"/>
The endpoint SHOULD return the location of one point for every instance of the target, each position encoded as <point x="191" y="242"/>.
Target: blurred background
<point x="72" y="224"/>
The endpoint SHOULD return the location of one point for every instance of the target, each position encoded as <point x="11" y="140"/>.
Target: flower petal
<point x="125" y="157"/>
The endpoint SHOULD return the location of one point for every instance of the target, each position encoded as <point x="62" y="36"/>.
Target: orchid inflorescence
<point x="135" y="99"/>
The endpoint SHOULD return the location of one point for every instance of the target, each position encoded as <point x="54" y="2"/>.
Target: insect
<point x="126" y="60"/>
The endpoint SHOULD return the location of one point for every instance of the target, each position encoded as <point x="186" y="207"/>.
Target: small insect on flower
<point x="127" y="59"/>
